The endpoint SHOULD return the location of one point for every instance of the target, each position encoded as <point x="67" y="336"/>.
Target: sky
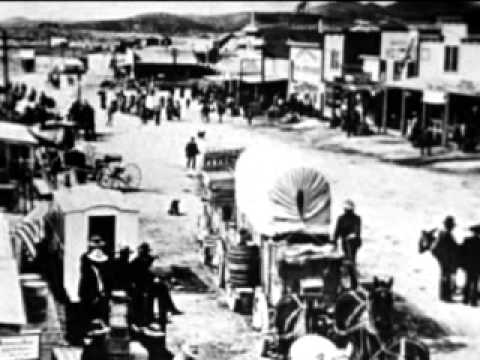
<point x="90" y="10"/>
<point x="96" y="10"/>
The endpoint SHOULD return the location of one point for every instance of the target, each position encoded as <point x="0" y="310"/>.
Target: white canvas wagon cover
<point x="278" y="192"/>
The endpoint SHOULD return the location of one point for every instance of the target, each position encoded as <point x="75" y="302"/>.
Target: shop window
<point x="397" y="70"/>
<point x="412" y="69"/>
<point x="451" y="58"/>
<point x="334" y="59"/>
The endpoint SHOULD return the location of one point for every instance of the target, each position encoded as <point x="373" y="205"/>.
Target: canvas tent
<point x="82" y="211"/>
<point x="277" y="193"/>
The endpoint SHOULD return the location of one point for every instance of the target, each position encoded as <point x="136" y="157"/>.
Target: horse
<point x="365" y="319"/>
<point x="449" y="256"/>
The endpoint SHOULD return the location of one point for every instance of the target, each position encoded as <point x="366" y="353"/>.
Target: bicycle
<point x="114" y="175"/>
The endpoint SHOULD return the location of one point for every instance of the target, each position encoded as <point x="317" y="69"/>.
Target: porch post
<point x="424" y="113"/>
<point x="384" y="115"/>
<point x="446" y="119"/>
<point x="402" y="113"/>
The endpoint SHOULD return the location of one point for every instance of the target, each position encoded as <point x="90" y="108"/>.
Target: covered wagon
<point x="284" y="205"/>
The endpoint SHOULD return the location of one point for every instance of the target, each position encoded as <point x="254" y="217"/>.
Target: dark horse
<point x="364" y="318"/>
<point x="449" y="256"/>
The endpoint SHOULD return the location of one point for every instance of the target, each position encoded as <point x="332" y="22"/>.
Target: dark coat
<point x="90" y="288"/>
<point x="191" y="149"/>
<point x="447" y="252"/>
<point x="471" y="253"/>
<point x="140" y="272"/>
<point x="97" y="350"/>
<point x="348" y="223"/>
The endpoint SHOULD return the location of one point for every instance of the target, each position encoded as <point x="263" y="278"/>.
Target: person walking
<point x="88" y="115"/>
<point x="112" y="106"/>
<point x="191" y="152"/>
<point x="150" y="106"/>
<point x="471" y="249"/>
<point x="446" y="241"/>
<point x="348" y="231"/>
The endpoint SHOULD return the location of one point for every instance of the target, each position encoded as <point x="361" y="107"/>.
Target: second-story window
<point x="334" y="59"/>
<point x="451" y="58"/>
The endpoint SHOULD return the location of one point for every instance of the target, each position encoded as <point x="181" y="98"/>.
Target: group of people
<point x="469" y="250"/>
<point x="144" y="283"/>
<point x="26" y="106"/>
<point x="147" y="100"/>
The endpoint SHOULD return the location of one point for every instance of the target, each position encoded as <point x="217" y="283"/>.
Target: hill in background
<point x="338" y="12"/>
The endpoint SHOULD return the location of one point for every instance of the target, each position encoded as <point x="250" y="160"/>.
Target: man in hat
<point x="348" y="230"/>
<point x="191" y="152"/>
<point x="446" y="241"/>
<point x="140" y="280"/>
<point x="471" y="251"/>
<point x="94" y="288"/>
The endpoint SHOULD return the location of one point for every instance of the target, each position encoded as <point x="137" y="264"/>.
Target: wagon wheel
<point x="104" y="178"/>
<point x="132" y="176"/>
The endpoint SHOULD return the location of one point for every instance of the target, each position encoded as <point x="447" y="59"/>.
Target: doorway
<point x="103" y="226"/>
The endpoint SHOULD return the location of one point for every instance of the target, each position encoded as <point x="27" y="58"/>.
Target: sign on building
<point x="20" y="347"/>
<point x="307" y="65"/>
<point x="398" y="46"/>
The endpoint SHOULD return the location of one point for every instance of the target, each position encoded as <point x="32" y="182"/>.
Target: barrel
<point x="35" y="295"/>
<point x="242" y="265"/>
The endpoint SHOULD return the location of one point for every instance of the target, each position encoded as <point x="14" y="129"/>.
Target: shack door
<point x="103" y="226"/>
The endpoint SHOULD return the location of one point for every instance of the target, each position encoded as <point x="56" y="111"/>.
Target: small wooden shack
<point x="79" y="212"/>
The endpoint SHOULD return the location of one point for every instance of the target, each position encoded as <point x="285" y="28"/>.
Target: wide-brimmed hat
<point x="475" y="228"/>
<point x="349" y="205"/>
<point x="153" y="330"/>
<point x="97" y="328"/>
<point x="96" y="241"/>
<point x="97" y="255"/>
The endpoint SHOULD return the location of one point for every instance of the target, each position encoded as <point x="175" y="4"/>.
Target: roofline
<point x="80" y="210"/>
<point x="313" y="44"/>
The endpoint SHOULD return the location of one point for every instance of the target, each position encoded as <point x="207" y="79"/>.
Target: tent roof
<point x="280" y="193"/>
<point x="84" y="197"/>
<point x="15" y="133"/>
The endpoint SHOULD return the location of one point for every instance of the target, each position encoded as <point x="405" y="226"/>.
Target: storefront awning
<point x="446" y="85"/>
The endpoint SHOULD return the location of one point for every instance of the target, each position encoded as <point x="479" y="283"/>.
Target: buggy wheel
<point x="104" y="178"/>
<point x="132" y="176"/>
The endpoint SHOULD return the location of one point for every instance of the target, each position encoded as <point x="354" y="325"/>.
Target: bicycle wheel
<point x="132" y="176"/>
<point x="104" y="178"/>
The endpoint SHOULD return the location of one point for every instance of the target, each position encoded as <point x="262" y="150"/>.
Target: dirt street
<point x="395" y="204"/>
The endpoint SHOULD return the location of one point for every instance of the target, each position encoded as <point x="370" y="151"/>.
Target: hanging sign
<point x="434" y="97"/>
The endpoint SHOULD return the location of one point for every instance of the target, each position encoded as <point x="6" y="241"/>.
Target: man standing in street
<point x="191" y="151"/>
<point x="348" y="230"/>
<point x="471" y="249"/>
<point x="446" y="242"/>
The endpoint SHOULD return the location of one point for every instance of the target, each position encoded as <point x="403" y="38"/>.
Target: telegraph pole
<point x="6" y="79"/>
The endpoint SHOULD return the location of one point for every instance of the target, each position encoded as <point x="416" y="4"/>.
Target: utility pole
<point x="6" y="79"/>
